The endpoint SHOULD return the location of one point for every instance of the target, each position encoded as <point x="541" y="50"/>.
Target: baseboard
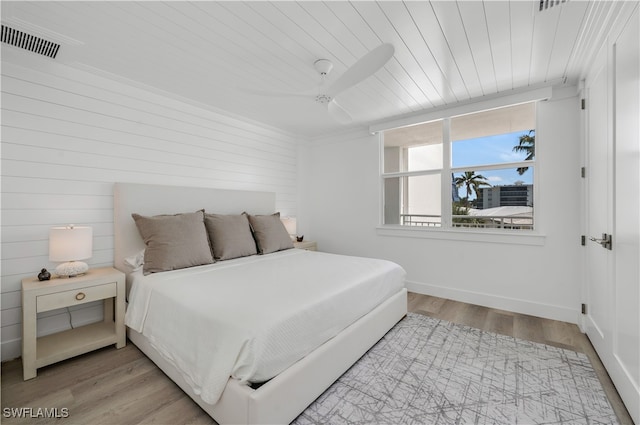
<point x="11" y="349"/>
<point x="515" y="305"/>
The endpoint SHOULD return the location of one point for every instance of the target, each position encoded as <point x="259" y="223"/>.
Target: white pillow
<point x="135" y="261"/>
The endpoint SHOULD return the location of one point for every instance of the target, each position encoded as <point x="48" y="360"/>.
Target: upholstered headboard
<point x="150" y="200"/>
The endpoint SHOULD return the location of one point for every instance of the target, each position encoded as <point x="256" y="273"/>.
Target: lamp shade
<point x="70" y="243"/>
<point x="289" y="224"/>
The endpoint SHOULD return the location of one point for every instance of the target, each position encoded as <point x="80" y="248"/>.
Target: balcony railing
<point x="470" y="221"/>
<point x="420" y="220"/>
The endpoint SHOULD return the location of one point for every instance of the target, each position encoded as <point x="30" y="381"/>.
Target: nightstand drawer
<point x="78" y="296"/>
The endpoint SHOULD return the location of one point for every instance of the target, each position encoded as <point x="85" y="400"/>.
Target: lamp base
<point x="72" y="269"/>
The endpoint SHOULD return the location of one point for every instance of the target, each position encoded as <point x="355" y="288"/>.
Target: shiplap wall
<point x="67" y="135"/>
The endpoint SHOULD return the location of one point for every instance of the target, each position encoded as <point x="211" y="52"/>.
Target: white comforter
<point x="252" y="317"/>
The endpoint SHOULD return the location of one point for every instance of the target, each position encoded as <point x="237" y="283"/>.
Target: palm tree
<point x="526" y="144"/>
<point x="472" y="181"/>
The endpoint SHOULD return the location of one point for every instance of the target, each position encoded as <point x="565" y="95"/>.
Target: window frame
<point x="446" y="230"/>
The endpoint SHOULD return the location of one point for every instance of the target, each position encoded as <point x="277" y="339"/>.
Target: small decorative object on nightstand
<point x="44" y="275"/>
<point x="308" y="245"/>
<point x="69" y="244"/>
<point x="106" y="284"/>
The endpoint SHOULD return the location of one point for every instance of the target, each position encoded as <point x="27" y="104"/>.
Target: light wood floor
<point x="112" y="386"/>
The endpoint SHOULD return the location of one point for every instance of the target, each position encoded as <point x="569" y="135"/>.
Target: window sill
<point x="469" y="235"/>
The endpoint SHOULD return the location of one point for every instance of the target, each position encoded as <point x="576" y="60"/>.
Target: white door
<point x="613" y="207"/>
<point x="626" y="325"/>
<point x="599" y="206"/>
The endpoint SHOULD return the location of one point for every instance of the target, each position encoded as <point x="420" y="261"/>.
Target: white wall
<point x="539" y="280"/>
<point x="67" y="135"/>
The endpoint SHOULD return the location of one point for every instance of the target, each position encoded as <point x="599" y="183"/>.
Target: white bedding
<point x="251" y="318"/>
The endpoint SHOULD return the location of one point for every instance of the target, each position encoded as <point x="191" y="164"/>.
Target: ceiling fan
<point x="366" y="66"/>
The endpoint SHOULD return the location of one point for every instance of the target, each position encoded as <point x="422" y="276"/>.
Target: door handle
<point x="606" y="241"/>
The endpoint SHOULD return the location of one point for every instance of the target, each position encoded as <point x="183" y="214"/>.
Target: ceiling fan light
<point x="323" y="66"/>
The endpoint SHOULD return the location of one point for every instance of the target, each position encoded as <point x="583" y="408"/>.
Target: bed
<point x="326" y="289"/>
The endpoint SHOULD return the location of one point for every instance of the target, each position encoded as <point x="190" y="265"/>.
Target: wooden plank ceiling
<point x="216" y="53"/>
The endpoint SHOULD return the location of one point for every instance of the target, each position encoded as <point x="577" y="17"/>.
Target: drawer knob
<point x="80" y="296"/>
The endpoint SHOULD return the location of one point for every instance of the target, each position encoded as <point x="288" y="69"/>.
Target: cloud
<point x="511" y="156"/>
<point x="494" y="179"/>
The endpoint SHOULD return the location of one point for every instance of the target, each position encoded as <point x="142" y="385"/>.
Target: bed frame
<point x="284" y="397"/>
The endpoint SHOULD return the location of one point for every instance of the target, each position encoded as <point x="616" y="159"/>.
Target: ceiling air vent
<point x="29" y="42"/>
<point x="548" y="4"/>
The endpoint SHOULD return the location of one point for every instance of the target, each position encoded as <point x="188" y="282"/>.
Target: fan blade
<point x="366" y="66"/>
<point x="338" y="113"/>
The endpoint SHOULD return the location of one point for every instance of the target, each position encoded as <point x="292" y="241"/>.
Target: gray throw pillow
<point x="270" y="233"/>
<point x="173" y="241"/>
<point x="230" y="236"/>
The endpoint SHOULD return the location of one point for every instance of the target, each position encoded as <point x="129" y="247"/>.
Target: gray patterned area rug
<point x="430" y="371"/>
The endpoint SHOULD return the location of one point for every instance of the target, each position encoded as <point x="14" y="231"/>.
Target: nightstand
<point x="308" y="245"/>
<point x="106" y="284"/>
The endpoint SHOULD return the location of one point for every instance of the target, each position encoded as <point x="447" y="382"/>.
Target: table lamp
<point x="290" y="225"/>
<point x="70" y="244"/>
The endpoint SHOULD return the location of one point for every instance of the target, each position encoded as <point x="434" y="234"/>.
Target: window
<point x="468" y="171"/>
